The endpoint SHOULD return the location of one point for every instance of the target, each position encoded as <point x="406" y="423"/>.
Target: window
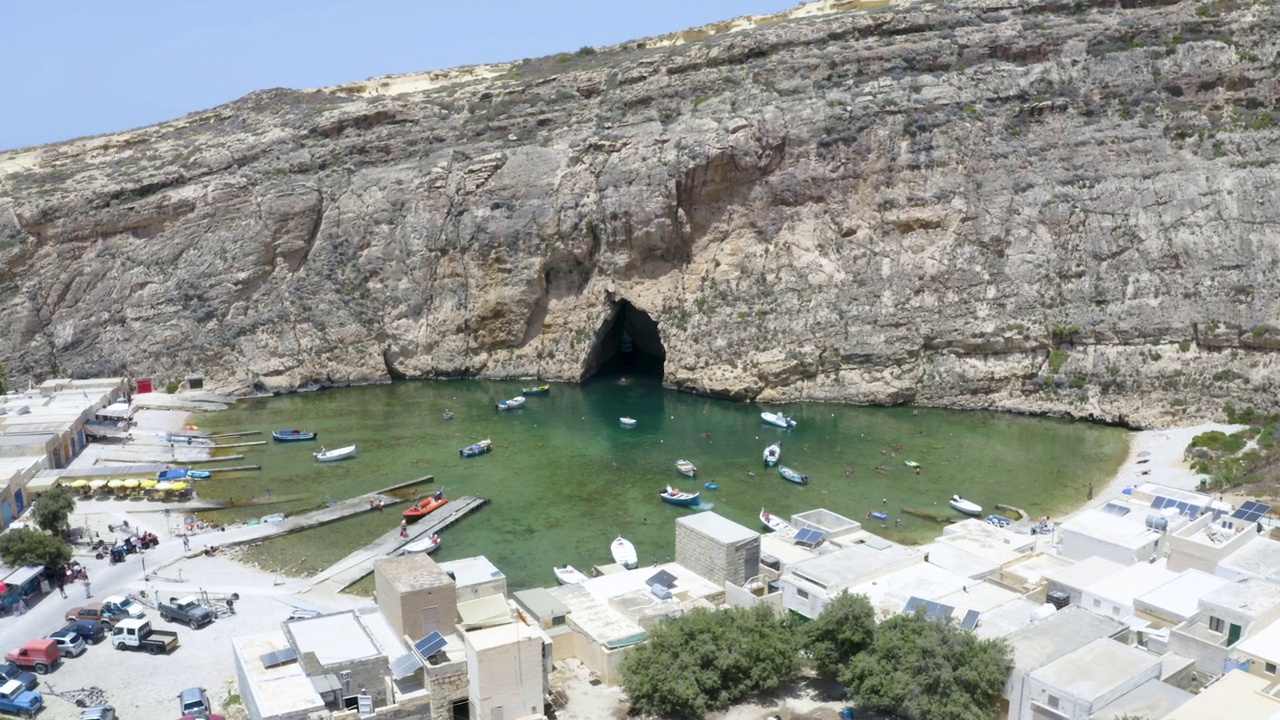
<point x="802" y="594"/>
<point x="1053" y="702"/>
<point x="557" y="620"/>
<point x="1215" y="624"/>
<point x="1270" y="668"/>
<point x="1097" y="603"/>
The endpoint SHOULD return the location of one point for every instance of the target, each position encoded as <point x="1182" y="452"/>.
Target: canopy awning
<point x="23" y="575"/>
<point x="42" y="482"/>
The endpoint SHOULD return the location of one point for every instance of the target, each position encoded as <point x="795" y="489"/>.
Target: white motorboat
<point x="773" y="522"/>
<point x="967" y="507"/>
<point x="568" y="575"/>
<point x="772" y="454"/>
<point x="627" y="422"/>
<point x="513" y="404"/>
<point x="686" y="468"/>
<point x="624" y="553"/>
<point x="341" y="453"/>
<point x="778" y="419"/>
<point x="425" y="545"/>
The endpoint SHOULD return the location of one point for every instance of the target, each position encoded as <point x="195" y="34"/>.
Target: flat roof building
<point x="1235" y="696"/>
<point x="1176" y="600"/>
<point x="1049" y="639"/>
<point x="1083" y="681"/>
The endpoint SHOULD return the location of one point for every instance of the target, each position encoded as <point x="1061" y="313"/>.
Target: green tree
<point x="706" y="660"/>
<point x="922" y="669"/>
<point x="53" y="511"/>
<point x="19" y="548"/>
<point x="844" y="629"/>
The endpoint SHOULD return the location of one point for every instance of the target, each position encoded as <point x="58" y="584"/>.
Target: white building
<point x="807" y="586"/>
<point x="1121" y="536"/>
<point x="1177" y="600"/>
<point x="1227" y="615"/>
<point x="1080" y="684"/>
<point x="1258" y="559"/>
<point x="1049" y="639"/>
<point x="1114" y="594"/>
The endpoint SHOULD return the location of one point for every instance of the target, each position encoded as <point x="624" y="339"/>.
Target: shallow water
<point x="565" y="477"/>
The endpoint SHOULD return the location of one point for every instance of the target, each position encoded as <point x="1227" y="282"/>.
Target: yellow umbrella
<point x="115" y="484"/>
<point x="149" y="483"/>
<point x="179" y="486"/>
<point x="164" y="485"/>
<point x="80" y="483"/>
<point x="95" y="484"/>
<point x="131" y="483"/>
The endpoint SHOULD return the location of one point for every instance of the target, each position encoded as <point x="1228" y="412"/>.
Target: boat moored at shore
<point x="293" y="435"/>
<point x="341" y="453"/>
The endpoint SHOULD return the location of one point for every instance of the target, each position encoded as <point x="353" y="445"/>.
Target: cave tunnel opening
<point x="629" y="344"/>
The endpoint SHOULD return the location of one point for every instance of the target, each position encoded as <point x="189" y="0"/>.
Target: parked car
<point x="185" y="610"/>
<point x="101" y="712"/>
<point x="94" y="611"/>
<point x="9" y="671"/>
<point x="194" y="702"/>
<point x="124" y="606"/>
<point x="71" y="644"/>
<point x="17" y="700"/>
<point x="41" y="655"/>
<point x="135" y="634"/>
<point x="93" y="631"/>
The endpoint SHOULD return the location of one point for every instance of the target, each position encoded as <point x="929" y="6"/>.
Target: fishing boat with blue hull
<point x="292" y="435"/>
<point x="514" y="403"/>
<point x="793" y="476"/>
<point x="677" y="497"/>
<point x="536" y="390"/>
<point x="479" y="448"/>
<point x="772" y="454"/>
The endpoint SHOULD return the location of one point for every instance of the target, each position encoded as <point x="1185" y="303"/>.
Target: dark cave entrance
<point x="629" y="343"/>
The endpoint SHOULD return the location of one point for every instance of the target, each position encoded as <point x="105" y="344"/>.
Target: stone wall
<point x="715" y="560"/>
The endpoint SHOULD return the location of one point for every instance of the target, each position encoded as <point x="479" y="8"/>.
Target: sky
<point x="72" y="68"/>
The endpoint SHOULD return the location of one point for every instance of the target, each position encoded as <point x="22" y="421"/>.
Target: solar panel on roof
<point x="1159" y="502"/>
<point x="931" y="609"/>
<point x="970" y="620"/>
<point x="809" y="536"/>
<point x="431" y="644"/>
<point x="1114" y="509"/>
<point x="277" y="658"/>
<point x="405" y="665"/>
<point x="663" y="578"/>
<point x="1251" y="511"/>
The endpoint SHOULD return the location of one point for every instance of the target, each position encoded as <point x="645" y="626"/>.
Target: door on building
<point x="19" y="501"/>
<point x="6" y="513"/>
<point x="461" y="710"/>
<point x="1233" y="634"/>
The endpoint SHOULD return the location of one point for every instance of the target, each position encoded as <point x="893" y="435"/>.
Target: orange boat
<point x="426" y="506"/>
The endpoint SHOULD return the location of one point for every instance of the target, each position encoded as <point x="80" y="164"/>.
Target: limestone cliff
<point x="1046" y="206"/>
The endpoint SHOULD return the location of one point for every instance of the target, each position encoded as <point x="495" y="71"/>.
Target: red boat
<point x="426" y="506"/>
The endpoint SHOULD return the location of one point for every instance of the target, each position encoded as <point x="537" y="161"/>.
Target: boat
<point x="448" y="414"/>
<point x="292" y="435"/>
<point x="536" y="390"/>
<point x="676" y="497"/>
<point x="999" y="520"/>
<point x="773" y="522"/>
<point x="778" y="419"/>
<point x="627" y="422"/>
<point x="341" y="453"/>
<point x="772" y="453"/>
<point x="686" y="468"/>
<point x="426" y="506"/>
<point x="199" y="474"/>
<point x="273" y="518"/>
<point x="425" y="545"/>
<point x="710" y="486"/>
<point x="792" y="475"/>
<point x="624" y="553"/>
<point x="911" y="464"/>
<point x="877" y="515"/>
<point x="568" y="575"/>
<point x="967" y="507"/>
<point x="512" y="404"/>
<point x="479" y="448"/>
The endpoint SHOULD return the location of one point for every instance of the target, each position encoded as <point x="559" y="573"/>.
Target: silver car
<point x="71" y="644"/>
<point x="101" y="712"/>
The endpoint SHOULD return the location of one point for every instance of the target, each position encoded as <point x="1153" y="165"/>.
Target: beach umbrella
<point x="179" y="486"/>
<point x="131" y="483"/>
<point x="113" y="484"/>
<point x="96" y="484"/>
<point x="164" y="485"/>
<point x="149" y="483"/>
<point x="80" y="484"/>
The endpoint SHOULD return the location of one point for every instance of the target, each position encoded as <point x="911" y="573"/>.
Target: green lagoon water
<point x="565" y="478"/>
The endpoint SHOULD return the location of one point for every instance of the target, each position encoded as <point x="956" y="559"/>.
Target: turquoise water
<point x="565" y="477"/>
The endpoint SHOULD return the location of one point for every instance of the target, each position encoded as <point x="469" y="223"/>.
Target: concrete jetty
<point x="358" y="564"/>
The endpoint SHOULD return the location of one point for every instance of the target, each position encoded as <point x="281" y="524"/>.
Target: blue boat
<point x="199" y="474"/>
<point x="676" y="497"/>
<point x="479" y="448"/>
<point x="999" y="520"/>
<point x="292" y="435"/>
<point x="512" y="404"/>
<point x="793" y="476"/>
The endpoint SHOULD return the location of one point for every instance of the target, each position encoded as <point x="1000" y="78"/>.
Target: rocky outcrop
<point x="1043" y="206"/>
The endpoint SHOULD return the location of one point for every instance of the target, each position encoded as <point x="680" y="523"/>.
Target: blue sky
<point x="73" y="68"/>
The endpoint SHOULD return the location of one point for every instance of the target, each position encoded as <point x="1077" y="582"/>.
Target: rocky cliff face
<point x="1043" y="206"/>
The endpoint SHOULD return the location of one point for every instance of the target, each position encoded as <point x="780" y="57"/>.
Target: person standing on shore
<point x="404" y="528"/>
<point x="1090" y="494"/>
<point x="87" y="594"/>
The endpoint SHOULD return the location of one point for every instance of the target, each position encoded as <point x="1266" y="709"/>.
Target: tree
<point x="924" y="669"/>
<point x="844" y="629"/>
<point x="53" y="511"/>
<point x="706" y="660"/>
<point x="19" y="548"/>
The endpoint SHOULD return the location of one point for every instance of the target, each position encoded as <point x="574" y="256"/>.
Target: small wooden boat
<point x="676" y="497"/>
<point x="778" y="419"/>
<point x="967" y="507"/>
<point x="536" y="390"/>
<point x="292" y="435"/>
<point x="568" y="575"/>
<point x="627" y="422"/>
<point x="273" y="518"/>
<point x="512" y="404"/>
<point x="479" y="448"/>
<point x="448" y="414"/>
<point x="772" y="453"/>
<point x="425" y="545"/>
<point x="426" y="506"/>
<point x="624" y="553"/>
<point x="341" y="453"/>
<point x="911" y="464"/>
<point x="792" y="475"/>
<point x="199" y="474"/>
<point x="686" y="468"/>
<point x="773" y="522"/>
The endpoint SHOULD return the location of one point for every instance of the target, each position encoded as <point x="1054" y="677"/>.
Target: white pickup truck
<point x="135" y="634"/>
